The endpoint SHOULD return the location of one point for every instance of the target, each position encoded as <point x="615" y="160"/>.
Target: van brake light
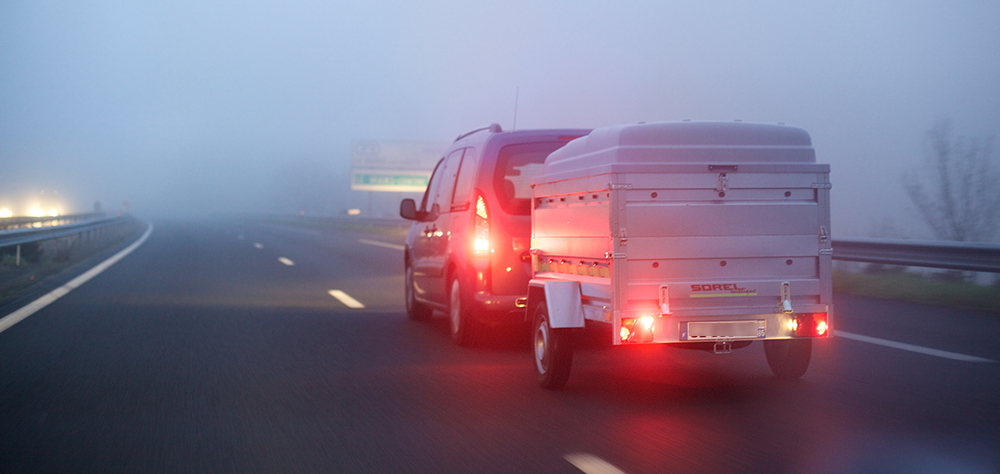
<point x="481" y="244"/>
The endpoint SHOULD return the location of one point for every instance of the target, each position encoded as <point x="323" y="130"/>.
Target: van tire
<point x="788" y="358"/>
<point x="553" y="351"/>
<point x="460" y="321"/>
<point x="415" y="310"/>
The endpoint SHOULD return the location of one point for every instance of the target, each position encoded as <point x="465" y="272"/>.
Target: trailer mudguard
<point x="563" y="300"/>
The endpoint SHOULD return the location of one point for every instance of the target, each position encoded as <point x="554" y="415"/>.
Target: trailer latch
<point x="664" y="300"/>
<point x="786" y="297"/>
<point x="723" y="184"/>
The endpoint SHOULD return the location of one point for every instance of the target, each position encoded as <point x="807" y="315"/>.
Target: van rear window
<point x="516" y="166"/>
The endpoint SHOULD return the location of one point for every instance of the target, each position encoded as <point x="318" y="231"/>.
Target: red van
<point x="467" y="250"/>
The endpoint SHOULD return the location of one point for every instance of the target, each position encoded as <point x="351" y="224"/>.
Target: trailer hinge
<point x="619" y="185"/>
<point x="822" y="185"/>
<point x="826" y="251"/>
<point x="623" y="237"/>
<point x="823" y="234"/>
<point x="615" y="255"/>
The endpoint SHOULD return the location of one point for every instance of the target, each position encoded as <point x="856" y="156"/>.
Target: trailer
<point x="705" y="235"/>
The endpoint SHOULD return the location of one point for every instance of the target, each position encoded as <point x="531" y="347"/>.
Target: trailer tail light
<point x="810" y="325"/>
<point x="481" y="244"/>
<point x="637" y="330"/>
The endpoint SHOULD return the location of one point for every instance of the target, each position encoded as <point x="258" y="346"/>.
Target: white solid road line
<point x="29" y="309"/>
<point x="286" y="261"/>
<point x="382" y="244"/>
<point x="591" y="464"/>
<point x="910" y="347"/>
<point x="346" y="299"/>
<point x="258" y="245"/>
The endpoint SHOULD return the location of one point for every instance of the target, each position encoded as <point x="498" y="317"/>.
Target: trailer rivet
<point x="722" y="195"/>
<point x="652" y="195"/>
<point x="788" y="262"/>
<point x="722" y="263"/>
<point x="656" y="264"/>
<point x="788" y="194"/>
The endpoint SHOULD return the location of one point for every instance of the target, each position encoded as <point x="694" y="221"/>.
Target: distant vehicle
<point x="467" y="250"/>
<point x="703" y="235"/>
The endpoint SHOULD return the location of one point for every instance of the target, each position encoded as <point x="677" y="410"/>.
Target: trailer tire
<point x="415" y="310"/>
<point x="553" y="351"/>
<point x="460" y="321"/>
<point x="788" y="358"/>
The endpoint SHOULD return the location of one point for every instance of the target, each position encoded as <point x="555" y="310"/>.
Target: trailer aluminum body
<point x="684" y="232"/>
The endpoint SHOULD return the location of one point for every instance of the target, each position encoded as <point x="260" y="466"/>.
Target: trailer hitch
<point x="722" y="347"/>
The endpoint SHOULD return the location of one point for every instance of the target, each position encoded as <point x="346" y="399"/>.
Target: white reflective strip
<point x="382" y="244"/>
<point x="29" y="309"/>
<point x="346" y="299"/>
<point x="910" y="347"/>
<point x="286" y="261"/>
<point x="591" y="464"/>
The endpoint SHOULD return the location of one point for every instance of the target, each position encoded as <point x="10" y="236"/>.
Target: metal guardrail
<point x="979" y="257"/>
<point x="7" y="223"/>
<point x="18" y="236"/>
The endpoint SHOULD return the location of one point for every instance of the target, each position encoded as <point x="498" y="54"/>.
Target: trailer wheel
<point x="414" y="309"/>
<point x="553" y="351"/>
<point x="463" y="326"/>
<point x="788" y="358"/>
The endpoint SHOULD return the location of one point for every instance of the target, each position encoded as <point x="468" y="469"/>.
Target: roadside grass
<point x="916" y="289"/>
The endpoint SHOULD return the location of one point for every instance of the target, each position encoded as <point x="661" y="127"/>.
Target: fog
<point x="189" y="107"/>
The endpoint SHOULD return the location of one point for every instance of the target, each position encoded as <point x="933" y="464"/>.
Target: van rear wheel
<point x="553" y="351"/>
<point x="788" y="358"/>
<point x="463" y="326"/>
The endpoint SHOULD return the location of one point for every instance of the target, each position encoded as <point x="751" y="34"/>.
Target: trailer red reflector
<point x="626" y="331"/>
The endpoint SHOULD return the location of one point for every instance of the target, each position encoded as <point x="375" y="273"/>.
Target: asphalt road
<point x="203" y="352"/>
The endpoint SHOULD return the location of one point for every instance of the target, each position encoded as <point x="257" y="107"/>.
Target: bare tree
<point x="958" y="190"/>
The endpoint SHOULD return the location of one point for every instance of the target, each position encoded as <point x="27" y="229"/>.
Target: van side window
<point x="463" y="186"/>
<point x="432" y="186"/>
<point x="449" y="172"/>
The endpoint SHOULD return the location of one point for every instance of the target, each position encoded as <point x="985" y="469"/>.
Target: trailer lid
<point x="683" y="142"/>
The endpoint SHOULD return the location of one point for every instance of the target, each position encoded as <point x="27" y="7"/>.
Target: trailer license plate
<point x="706" y="330"/>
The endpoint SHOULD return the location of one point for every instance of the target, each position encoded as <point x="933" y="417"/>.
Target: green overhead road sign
<point x="386" y="180"/>
<point x="403" y="167"/>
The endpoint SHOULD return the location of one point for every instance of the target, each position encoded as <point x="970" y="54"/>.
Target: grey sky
<point x="199" y="106"/>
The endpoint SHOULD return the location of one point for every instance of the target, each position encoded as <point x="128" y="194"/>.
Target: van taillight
<point x="481" y="244"/>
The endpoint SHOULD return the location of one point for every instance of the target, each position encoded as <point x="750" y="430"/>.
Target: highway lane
<point x="202" y="352"/>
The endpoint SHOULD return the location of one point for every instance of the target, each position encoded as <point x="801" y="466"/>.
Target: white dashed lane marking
<point x="286" y="261"/>
<point x="591" y="464"/>
<point x="258" y="245"/>
<point x="346" y="299"/>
